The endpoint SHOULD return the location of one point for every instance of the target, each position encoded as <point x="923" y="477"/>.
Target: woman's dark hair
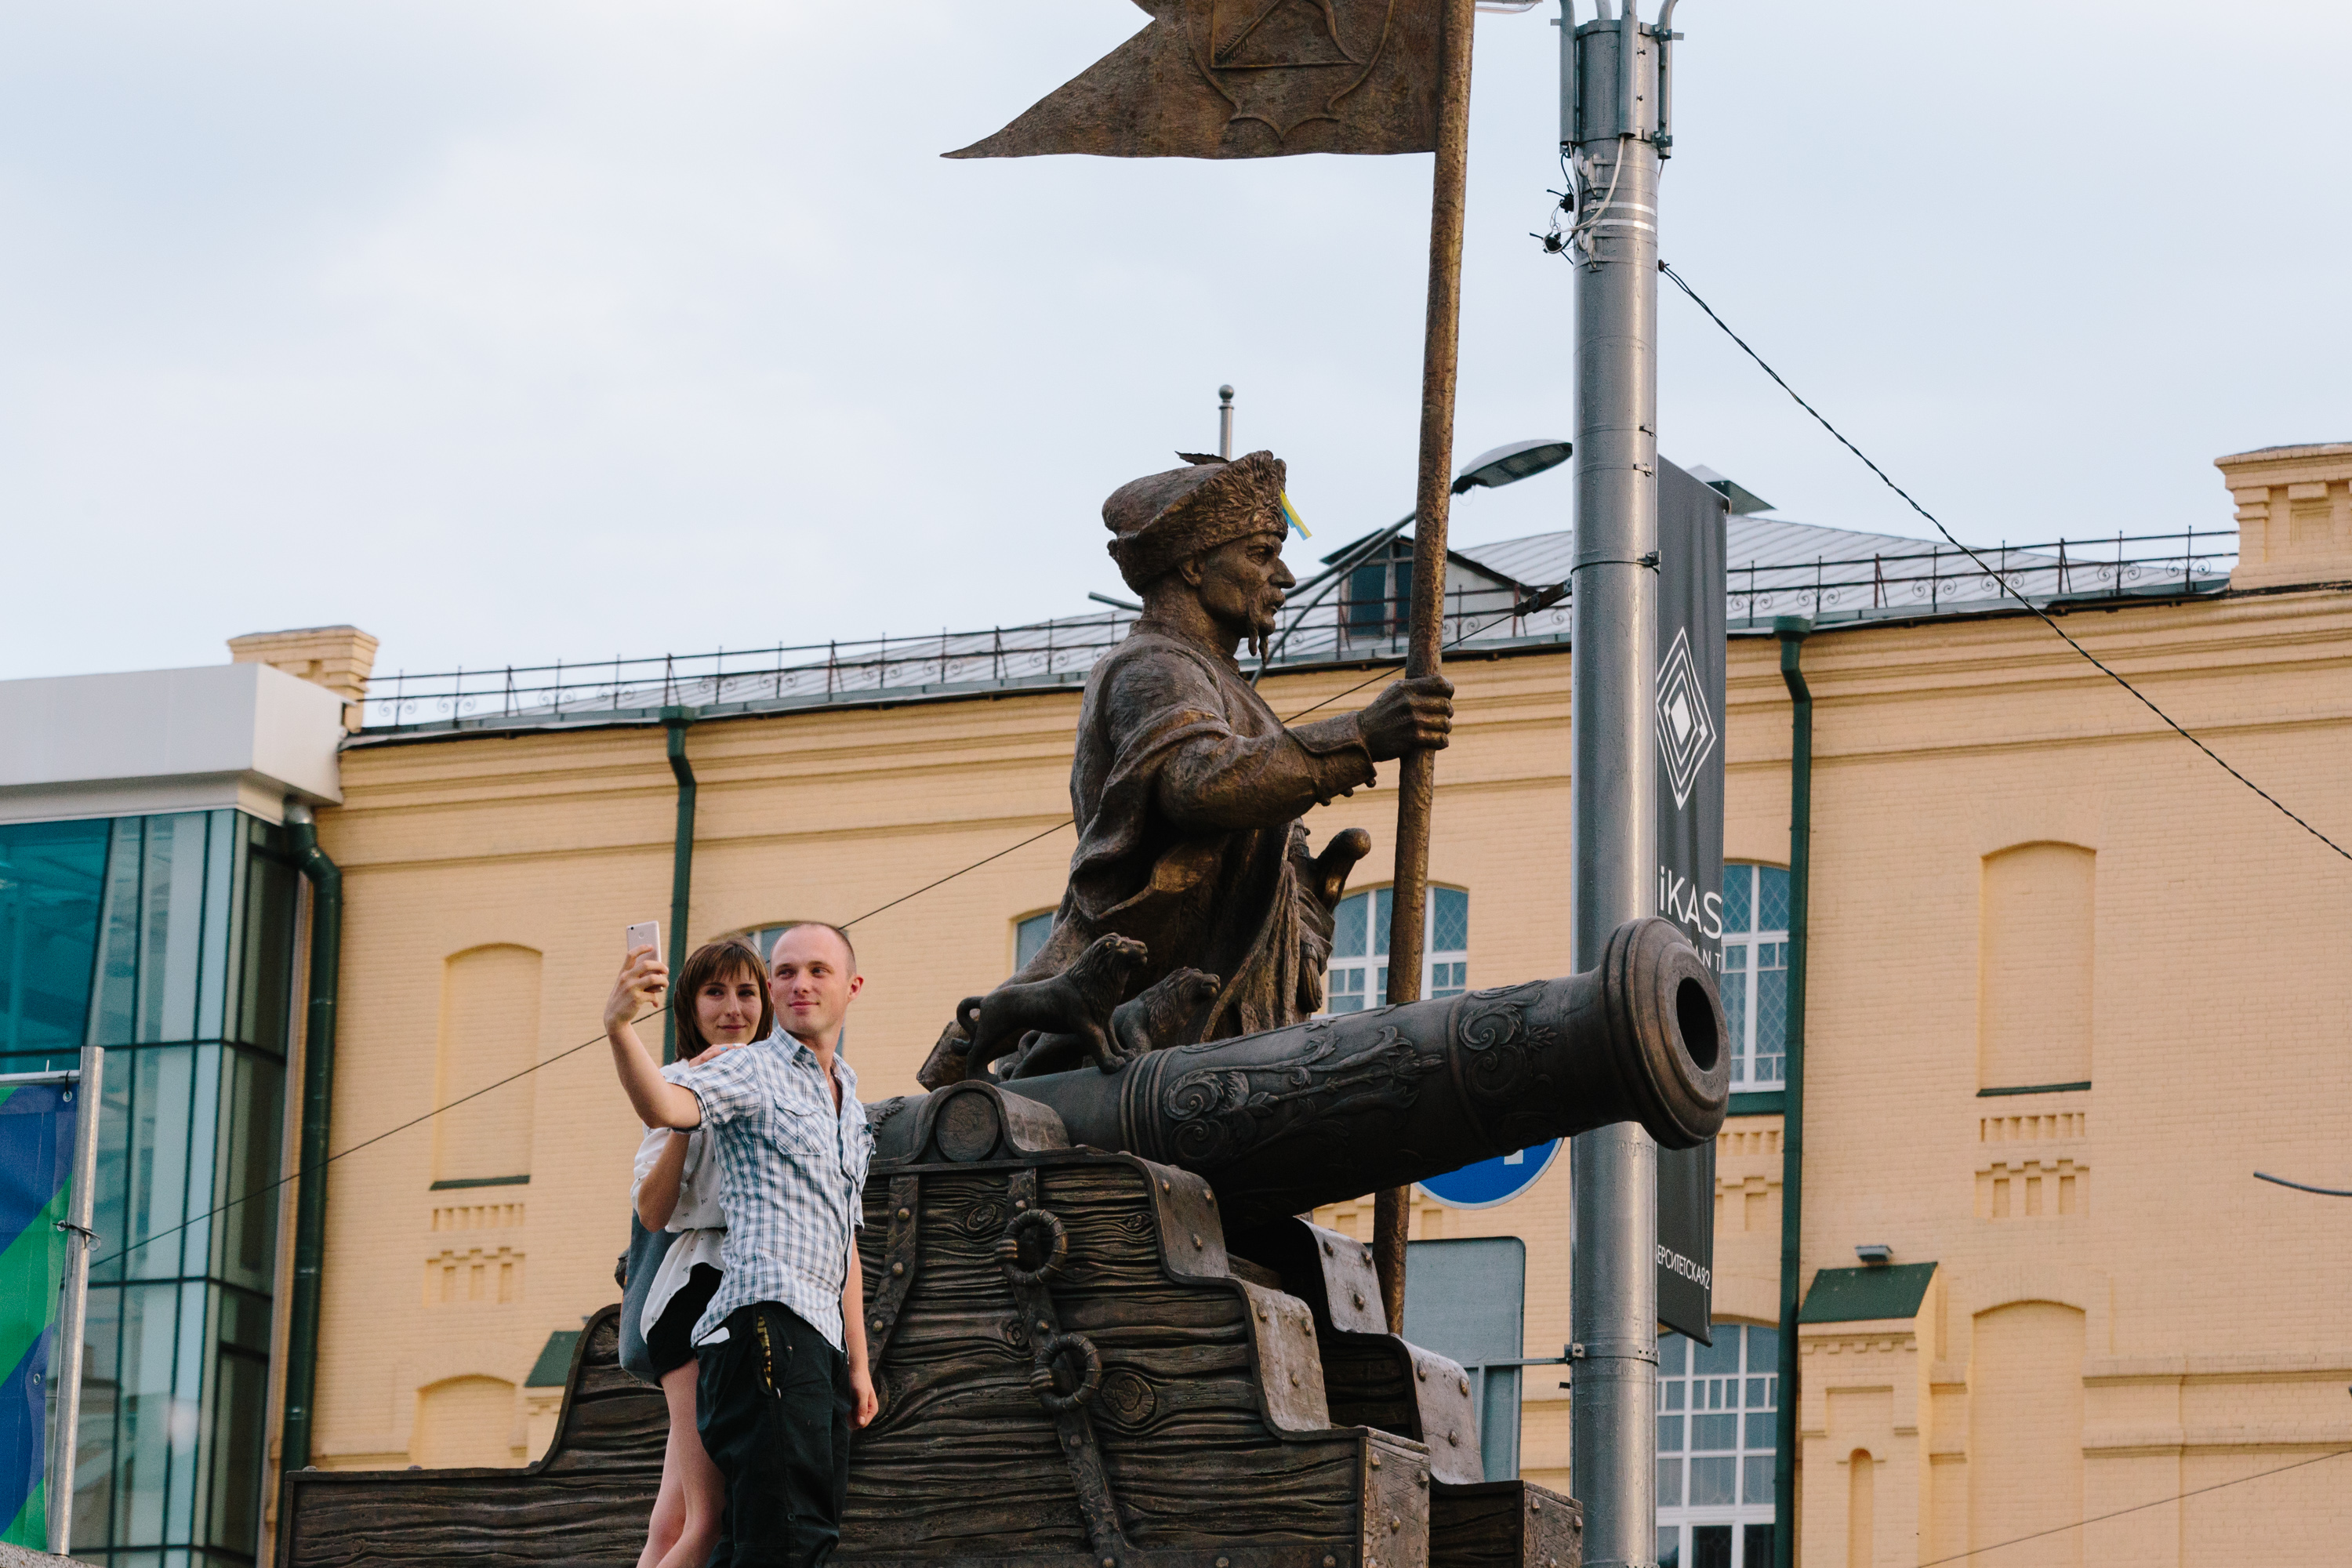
<point x="716" y="961"/>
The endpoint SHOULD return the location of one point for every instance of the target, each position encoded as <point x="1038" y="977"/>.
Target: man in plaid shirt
<point x="782" y="1346"/>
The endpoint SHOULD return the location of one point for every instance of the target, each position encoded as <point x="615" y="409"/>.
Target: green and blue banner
<point x="36" y="1145"/>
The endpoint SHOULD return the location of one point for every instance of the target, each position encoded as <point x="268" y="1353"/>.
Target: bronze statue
<point x="1188" y="790"/>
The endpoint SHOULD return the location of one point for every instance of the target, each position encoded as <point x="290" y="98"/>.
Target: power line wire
<point x="2136" y="1507"/>
<point x="296" y="1175"/>
<point x="2000" y="578"/>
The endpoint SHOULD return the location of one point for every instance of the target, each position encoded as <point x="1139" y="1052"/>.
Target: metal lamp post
<point x="1612" y="130"/>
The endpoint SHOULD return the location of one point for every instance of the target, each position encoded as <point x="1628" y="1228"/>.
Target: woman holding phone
<point x="722" y="1001"/>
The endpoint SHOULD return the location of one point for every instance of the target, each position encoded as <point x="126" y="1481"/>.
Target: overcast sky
<point x="521" y="329"/>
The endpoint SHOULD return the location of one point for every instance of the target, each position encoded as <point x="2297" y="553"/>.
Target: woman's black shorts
<point x="670" y="1341"/>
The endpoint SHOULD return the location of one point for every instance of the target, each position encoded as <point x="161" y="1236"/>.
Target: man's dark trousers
<point x="771" y="1402"/>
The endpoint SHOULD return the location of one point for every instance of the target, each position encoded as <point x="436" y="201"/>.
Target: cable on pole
<point x="2000" y="578"/>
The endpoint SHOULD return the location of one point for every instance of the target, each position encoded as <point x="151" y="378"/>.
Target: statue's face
<point x="1241" y="582"/>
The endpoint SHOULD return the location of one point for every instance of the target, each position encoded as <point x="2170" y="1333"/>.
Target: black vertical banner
<point x="1691" y="518"/>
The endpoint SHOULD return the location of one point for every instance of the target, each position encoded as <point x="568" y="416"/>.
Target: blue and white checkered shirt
<point x="792" y="1178"/>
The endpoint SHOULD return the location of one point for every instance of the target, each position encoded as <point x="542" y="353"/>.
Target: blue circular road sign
<point x="1495" y="1181"/>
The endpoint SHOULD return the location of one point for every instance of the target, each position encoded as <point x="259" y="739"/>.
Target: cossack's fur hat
<point x="1163" y="520"/>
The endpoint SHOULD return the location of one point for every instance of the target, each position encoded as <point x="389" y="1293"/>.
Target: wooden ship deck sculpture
<point x="1101" y="1335"/>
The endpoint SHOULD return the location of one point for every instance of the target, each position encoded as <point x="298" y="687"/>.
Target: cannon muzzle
<point x="1329" y="1110"/>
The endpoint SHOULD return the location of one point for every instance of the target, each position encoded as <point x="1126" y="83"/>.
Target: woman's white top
<point x="697" y="1220"/>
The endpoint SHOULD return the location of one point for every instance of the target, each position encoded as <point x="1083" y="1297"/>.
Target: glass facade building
<point x="169" y="939"/>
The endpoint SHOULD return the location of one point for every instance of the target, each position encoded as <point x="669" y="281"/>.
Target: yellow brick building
<point x="2071" y="986"/>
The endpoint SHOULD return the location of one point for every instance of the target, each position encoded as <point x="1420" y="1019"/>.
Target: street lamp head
<point x="1508" y="465"/>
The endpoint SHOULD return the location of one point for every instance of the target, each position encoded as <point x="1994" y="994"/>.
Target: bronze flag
<point x="1247" y="79"/>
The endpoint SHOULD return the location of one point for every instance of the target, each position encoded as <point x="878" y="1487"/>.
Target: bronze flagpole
<point x="1416" y="772"/>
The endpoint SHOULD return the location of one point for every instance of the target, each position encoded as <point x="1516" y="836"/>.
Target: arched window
<point x="1359" y="977"/>
<point x="1716" y="1407"/>
<point x="1756" y="972"/>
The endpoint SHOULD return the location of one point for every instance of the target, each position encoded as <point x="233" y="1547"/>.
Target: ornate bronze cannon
<point x="1281" y="1122"/>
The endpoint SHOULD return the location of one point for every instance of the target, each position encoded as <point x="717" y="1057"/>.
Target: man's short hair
<point x="847" y="945"/>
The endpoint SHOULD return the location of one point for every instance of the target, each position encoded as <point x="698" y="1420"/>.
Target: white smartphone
<point x="645" y="934"/>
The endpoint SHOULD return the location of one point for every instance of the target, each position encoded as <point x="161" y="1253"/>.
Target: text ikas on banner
<point x="1690" y="844"/>
<point x="1246" y="78"/>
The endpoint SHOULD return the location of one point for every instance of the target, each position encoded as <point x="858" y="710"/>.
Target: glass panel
<point x="1710" y="1543"/>
<point x="1756" y="1544"/>
<point x="1669" y="1546"/>
<point x="1029" y="938"/>
<point x="1670" y="1483"/>
<point x="52" y="875"/>
<point x="269" y="944"/>
<point x="1671" y="1348"/>
<point x="1715" y="1432"/>
<point x="1758" y="1398"/>
<point x="1771" y="899"/>
<point x="221" y="844"/>
<point x="143" y="1455"/>
<point x="1401" y="611"/>
<point x="1347" y="926"/>
<point x="1711" y="1484"/>
<point x="1670" y="1434"/>
<point x="1345" y="990"/>
<point x="1381" y="902"/>
<point x="187" y="1412"/>
<point x="1760" y="1429"/>
<point x="240" y="1426"/>
<point x="118" y="963"/>
<point x="195" y="1243"/>
<point x="1734" y="991"/>
<point x="1380" y="985"/>
<point x="1772" y="1010"/>
<point x="1721" y="1356"/>
<point x="102" y="1383"/>
<point x="1737" y="883"/>
<point x="1449" y="921"/>
<point x="1764" y="1349"/>
<point x="171" y="926"/>
<point x="1756" y="1478"/>
<point x="150" y="1140"/>
<point x="1675" y="1394"/>
<point x="1448" y="979"/>
<point x="249" y="1166"/>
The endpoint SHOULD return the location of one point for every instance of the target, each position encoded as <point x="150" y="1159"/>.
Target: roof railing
<point x="1933" y="580"/>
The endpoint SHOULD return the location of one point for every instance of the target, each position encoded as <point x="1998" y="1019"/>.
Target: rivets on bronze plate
<point x="1327" y="1249"/>
<point x="906" y="1213"/>
<point x="898" y="1268"/>
<point x="1294" y="1379"/>
<point x="1535" y="1505"/>
<point x="1465" y="1385"/>
<point x="1261" y="1315"/>
<point x="1330" y="1561"/>
<point x="1163" y="1183"/>
<point x="1422" y="1372"/>
<point x="1021" y="1203"/>
<point x="1196" y="1238"/>
<point x="1396" y="1523"/>
<point x="1224" y="1562"/>
<point x="877" y="1325"/>
<point x="1044" y="1327"/>
<point x="1454" y="1439"/>
<point x="1376" y="1461"/>
<point x="1357" y="1296"/>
